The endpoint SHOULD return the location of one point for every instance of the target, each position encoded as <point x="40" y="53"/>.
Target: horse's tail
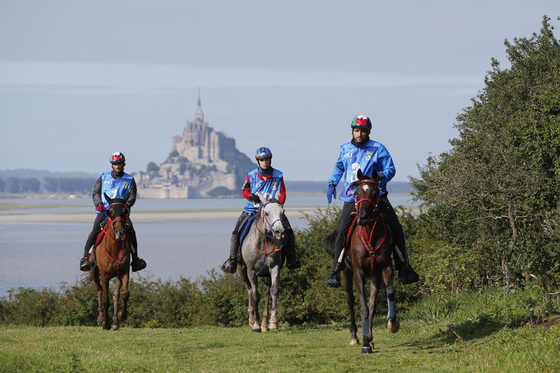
<point x="86" y="280"/>
<point x="328" y="243"/>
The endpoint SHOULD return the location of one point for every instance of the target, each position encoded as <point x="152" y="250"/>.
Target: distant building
<point x="195" y="166"/>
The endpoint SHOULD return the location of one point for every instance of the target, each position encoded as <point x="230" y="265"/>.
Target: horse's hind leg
<point x="116" y="296"/>
<point x="350" y="299"/>
<point x="393" y="323"/>
<point x="254" y="298"/>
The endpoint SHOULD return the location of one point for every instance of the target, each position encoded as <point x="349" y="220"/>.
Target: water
<point x="46" y="255"/>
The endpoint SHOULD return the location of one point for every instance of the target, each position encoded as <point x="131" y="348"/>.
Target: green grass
<point x="418" y="346"/>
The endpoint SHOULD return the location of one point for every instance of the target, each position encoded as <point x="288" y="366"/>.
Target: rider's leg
<point x="344" y="222"/>
<point x="84" y="261"/>
<point x="230" y="265"/>
<point x="400" y="256"/>
<point x="292" y="262"/>
<point x="137" y="263"/>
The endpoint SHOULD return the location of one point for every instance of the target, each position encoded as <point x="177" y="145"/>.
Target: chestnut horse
<point x="370" y="256"/>
<point x="112" y="259"/>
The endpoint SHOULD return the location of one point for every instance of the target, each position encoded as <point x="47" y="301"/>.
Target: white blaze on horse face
<point x="365" y="187"/>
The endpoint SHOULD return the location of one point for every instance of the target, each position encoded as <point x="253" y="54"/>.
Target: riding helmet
<point x="117" y="158"/>
<point x="263" y="153"/>
<point x="362" y="122"/>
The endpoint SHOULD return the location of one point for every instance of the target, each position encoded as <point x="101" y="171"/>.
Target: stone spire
<point x="198" y="114"/>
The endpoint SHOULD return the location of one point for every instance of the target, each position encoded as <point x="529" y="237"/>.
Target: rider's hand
<point x="331" y="192"/>
<point x="100" y="207"/>
<point x="254" y="198"/>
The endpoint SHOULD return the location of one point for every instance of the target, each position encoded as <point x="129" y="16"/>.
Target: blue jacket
<point x="115" y="188"/>
<point x="370" y="156"/>
<point x="271" y="188"/>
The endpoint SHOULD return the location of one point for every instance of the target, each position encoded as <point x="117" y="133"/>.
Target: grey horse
<point x="261" y="256"/>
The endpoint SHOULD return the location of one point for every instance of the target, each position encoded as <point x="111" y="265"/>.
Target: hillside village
<point x="202" y="163"/>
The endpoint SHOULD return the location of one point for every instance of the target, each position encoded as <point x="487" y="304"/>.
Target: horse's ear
<point x="107" y="198"/>
<point x="261" y="197"/>
<point x="375" y="175"/>
<point x="360" y="174"/>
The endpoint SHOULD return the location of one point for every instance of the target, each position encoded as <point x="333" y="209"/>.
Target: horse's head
<point x="117" y="215"/>
<point x="367" y="197"/>
<point x="272" y="214"/>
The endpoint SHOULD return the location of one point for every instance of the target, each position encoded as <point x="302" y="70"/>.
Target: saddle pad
<point x="246" y="229"/>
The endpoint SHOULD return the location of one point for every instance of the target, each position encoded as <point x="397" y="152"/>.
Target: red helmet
<point x="362" y="122"/>
<point x="117" y="158"/>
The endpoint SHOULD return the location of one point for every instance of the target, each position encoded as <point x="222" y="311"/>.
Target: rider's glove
<point x="331" y="192"/>
<point x="100" y="207"/>
<point x="254" y="198"/>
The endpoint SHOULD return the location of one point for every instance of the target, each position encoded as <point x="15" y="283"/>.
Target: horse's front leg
<point x="350" y="299"/>
<point x="254" y="298"/>
<point x="374" y="289"/>
<point x="99" y="289"/>
<point x="393" y="323"/>
<point x="364" y="310"/>
<point x="275" y="281"/>
<point x="266" y="293"/>
<point x="105" y="284"/>
<point x="116" y="296"/>
<point x="124" y="312"/>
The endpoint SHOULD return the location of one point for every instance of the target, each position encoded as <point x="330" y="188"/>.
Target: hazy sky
<point x="80" y="80"/>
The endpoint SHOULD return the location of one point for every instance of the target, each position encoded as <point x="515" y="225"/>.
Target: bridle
<point x="122" y="251"/>
<point x="365" y="237"/>
<point x="268" y="231"/>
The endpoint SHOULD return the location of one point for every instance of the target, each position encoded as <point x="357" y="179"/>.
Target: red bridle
<point x="357" y="202"/>
<point x="122" y="252"/>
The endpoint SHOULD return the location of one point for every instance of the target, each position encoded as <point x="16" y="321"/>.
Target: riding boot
<point x="84" y="261"/>
<point x="334" y="278"/>
<point x="230" y="265"/>
<point x="137" y="264"/>
<point x="406" y="273"/>
<point x="292" y="262"/>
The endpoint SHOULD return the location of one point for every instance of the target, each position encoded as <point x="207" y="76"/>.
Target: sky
<point x="80" y="80"/>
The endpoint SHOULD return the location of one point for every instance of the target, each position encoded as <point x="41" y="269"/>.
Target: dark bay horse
<point x="261" y="256"/>
<point x="112" y="260"/>
<point x="370" y="256"/>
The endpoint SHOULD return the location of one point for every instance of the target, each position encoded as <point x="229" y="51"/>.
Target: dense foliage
<point x="493" y="198"/>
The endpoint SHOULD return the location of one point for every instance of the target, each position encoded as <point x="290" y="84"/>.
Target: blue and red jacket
<point x="271" y="186"/>
<point x="368" y="157"/>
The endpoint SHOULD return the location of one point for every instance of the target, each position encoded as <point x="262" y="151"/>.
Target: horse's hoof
<point x="393" y="324"/>
<point x="115" y="328"/>
<point x="366" y="350"/>
<point x="256" y="330"/>
<point x="273" y="325"/>
<point x="99" y="323"/>
<point x="354" y="341"/>
<point x="264" y="328"/>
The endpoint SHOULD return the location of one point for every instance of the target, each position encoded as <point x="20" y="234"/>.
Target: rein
<point x="264" y="251"/>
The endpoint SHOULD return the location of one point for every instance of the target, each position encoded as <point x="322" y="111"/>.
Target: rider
<point x="367" y="155"/>
<point x="116" y="184"/>
<point x="270" y="182"/>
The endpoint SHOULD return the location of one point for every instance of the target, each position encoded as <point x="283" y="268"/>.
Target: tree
<point x="2" y="184"/>
<point x="496" y="190"/>
<point x="152" y="167"/>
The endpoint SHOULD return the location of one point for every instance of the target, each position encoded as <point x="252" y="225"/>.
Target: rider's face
<point x="264" y="163"/>
<point x="118" y="167"/>
<point x="359" y="134"/>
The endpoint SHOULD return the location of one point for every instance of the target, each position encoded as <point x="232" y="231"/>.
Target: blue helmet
<point x="263" y="153"/>
<point x="362" y="122"/>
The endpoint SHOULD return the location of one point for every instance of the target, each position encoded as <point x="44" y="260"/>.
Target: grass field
<point x="417" y="347"/>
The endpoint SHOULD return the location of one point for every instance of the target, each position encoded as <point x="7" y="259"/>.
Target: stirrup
<point x="230" y="265"/>
<point x="84" y="264"/>
<point x="334" y="280"/>
<point x="138" y="265"/>
<point x="293" y="263"/>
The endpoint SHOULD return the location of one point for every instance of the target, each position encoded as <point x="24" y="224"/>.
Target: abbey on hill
<point x="202" y="161"/>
